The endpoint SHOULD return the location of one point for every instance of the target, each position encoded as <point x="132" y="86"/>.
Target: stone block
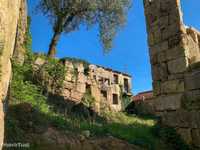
<point x="75" y="95"/>
<point x="66" y="93"/>
<point x="68" y="85"/>
<point x="171" y="32"/>
<point x="178" y="76"/>
<point x="196" y="137"/>
<point x="162" y="57"/>
<point x="192" y="80"/>
<point x="173" y="86"/>
<point x="178" y="65"/>
<point x="175" y="40"/>
<point x="191" y="100"/>
<point x="81" y="87"/>
<point x="182" y="119"/>
<point x="81" y="78"/>
<point x="175" y="52"/>
<point x="160" y="72"/>
<point x="160" y="47"/>
<point x="168" y="102"/>
<point x="185" y="134"/>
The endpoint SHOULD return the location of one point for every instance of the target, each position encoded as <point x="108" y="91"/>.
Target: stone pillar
<point x="165" y="32"/>
<point x="173" y="49"/>
<point x="9" y="18"/>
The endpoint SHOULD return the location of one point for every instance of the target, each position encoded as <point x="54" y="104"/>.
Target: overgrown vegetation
<point x="88" y="100"/>
<point x="125" y="99"/>
<point x="76" y="61"/>
<point x="55" y="71"/>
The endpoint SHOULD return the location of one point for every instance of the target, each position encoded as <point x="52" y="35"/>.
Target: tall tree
<point x="68" y="15"/>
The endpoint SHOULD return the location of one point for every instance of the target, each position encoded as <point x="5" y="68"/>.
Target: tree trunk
<point x="61" y="23"/>
<point x="53" y="44"/>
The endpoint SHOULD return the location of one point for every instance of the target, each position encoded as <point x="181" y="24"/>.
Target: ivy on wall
<point x="125" y="99"/>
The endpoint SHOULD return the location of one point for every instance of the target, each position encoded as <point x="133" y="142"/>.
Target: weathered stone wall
<point x="9" y="18"/>
<point x="175" y="52"/>
<point x="98" y="79"/>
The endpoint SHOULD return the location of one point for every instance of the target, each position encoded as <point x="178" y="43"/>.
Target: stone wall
<point x="9" y="18"/>
<point x="175" y="55"/>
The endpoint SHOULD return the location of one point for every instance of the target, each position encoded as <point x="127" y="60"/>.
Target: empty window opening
<point x="88" y="88"/>
<point x="116" y="79"/>
<point x="126" y="85"/>
<point x="104" y="94"/>
<point x="115" y="99"/>
<point x="107" y="81"/>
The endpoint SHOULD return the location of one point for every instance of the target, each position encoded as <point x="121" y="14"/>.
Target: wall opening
<point x="126" y="85"/>
<point x="115" y="99"/>
<point x="115" y="79"/>
<point x="104" y="94"/>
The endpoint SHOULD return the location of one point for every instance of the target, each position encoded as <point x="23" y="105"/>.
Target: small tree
<point x="68" y="15"/>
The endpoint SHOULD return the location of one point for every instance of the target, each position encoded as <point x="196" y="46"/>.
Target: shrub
<point x="126" y="100"/>
<point x="88" y="100"/>
<point x="55" y="70"/>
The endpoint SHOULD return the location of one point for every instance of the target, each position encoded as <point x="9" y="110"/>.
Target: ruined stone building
<point x="105" y="85"/>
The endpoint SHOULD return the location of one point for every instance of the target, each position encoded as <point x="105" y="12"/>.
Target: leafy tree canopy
<point x="68" y="15"/>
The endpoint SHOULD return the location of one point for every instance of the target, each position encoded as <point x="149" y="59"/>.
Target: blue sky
<point x="130" y="50"/>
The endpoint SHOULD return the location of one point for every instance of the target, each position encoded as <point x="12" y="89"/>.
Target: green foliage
<point x="23" y="89"/>
<point x="68" y="15"/>
<point x="55" y="70"/>
<point x="12" y="128"/>
<point x="88" y="100"/>
<point x="126" y="100"/>
<point x="78" y="61"/>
